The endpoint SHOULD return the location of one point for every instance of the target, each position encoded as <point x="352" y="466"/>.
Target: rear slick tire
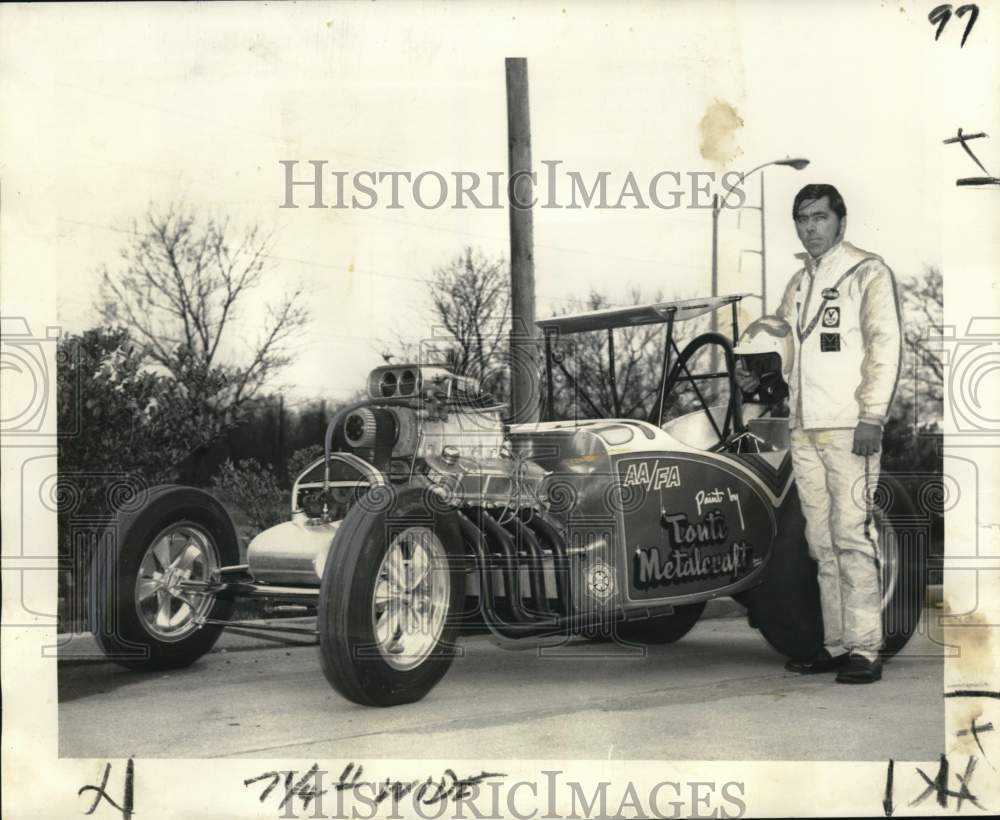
<point x="662" y="629"/>
<point x="785" y="607"/>
<point x="666" y="629"/>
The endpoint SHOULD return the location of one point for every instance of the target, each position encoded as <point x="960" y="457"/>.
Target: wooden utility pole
<point x="525" y="398"/>
<point x="763" y="252"/>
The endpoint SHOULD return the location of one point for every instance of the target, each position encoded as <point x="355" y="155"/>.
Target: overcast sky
<point x="128" y="106"/>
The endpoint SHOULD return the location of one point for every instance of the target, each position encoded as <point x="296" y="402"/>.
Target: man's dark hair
<point x="811" y="192"/>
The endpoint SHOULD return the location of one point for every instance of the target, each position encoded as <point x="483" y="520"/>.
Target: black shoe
<point x="823" y="661"/>
<point x="860" y="670"/>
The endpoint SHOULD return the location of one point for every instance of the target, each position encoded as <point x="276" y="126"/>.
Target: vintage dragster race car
<point x="428" y="515"/>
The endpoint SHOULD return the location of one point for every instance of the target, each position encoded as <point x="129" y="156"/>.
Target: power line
<point x="580" y="251"/>
<point x="351" y="268"/>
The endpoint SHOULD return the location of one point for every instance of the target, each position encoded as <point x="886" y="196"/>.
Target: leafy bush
<point x="254" y="488"/>
<point x="300" y="459"/>
<point x="912" y="449"/>
<point x="123" y="427"/>
<point x="120" y="421"/>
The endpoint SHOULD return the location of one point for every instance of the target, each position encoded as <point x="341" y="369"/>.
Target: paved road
<point x="720" y="693"/>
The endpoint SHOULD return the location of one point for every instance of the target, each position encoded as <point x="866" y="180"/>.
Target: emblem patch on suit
<point x="831" y="317"/>
<point x="829" y="342"/>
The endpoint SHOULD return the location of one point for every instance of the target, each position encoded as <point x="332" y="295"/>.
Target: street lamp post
<point x="715" y="253"/>
<point x="717" y="205"/>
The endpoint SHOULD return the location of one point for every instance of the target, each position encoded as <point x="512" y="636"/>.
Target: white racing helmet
<point x="764" y="336"/>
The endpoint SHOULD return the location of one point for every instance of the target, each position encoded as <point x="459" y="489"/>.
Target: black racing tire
<point x="364" y="656"/>
<point x="662" y="629"/>
<point x="136" y="620"/>
<point x="785" y="607"/>
<point x="904" y="544"/>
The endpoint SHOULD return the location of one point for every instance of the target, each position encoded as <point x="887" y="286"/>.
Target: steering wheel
<point x="732" y="426"/>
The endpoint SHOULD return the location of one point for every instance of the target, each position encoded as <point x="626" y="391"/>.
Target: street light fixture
<point x="797" y="164"/>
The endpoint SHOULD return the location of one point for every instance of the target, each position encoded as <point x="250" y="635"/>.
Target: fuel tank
<point x="292" y="553"/>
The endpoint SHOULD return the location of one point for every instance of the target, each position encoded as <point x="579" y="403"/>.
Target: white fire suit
<point x="844" y="313"/>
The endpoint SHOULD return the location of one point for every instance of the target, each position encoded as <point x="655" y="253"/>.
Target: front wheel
<point x="391" y="589"/>
<point x="141" y="616"/>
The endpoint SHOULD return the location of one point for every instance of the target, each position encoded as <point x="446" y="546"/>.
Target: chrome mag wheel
<point x="184" y="551"/>
<point x="411" y="598"/>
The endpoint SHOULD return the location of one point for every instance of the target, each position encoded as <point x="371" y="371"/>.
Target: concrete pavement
<point x="720" y="693"/>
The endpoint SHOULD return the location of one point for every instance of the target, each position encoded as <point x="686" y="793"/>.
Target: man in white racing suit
<point x="843" y="309"/>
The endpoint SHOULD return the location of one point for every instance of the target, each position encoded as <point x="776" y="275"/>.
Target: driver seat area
<point x="695" y="430"/>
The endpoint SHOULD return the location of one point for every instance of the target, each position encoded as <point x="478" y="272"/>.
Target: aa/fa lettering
<point x="655" y="479"/>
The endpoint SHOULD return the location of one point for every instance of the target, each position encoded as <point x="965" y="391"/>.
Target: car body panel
<point x="623" y="489"/>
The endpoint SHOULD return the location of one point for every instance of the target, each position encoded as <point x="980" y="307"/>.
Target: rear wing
<point x="610" y="319"/>
<point x="649" y="314"/>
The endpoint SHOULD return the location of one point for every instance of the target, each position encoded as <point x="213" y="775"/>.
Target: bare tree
<point x="923" y="317"/>
<point x="584" y="387"/>
<point x="469" y="323"/>
<point x="471" y="318"/>
<point x="471" y="298"/>
<point x="178" y="287"/>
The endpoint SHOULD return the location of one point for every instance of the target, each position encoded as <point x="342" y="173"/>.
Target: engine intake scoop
<point x="420" y="381"/>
